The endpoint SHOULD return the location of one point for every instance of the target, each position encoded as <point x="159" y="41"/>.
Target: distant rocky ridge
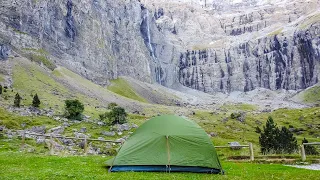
<point x="208" y="45"/>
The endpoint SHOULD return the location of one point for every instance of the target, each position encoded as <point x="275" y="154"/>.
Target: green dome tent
<point x="167" y="143"/>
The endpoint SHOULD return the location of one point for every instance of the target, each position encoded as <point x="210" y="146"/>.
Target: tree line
<point x="74" y="109"/>
<point x="275" y="140"/>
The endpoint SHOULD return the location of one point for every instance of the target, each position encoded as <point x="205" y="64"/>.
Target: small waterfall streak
<point x="158" y="68"/>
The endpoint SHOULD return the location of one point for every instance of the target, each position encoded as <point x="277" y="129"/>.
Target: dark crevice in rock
<point x="70" y="24"/>
<point x="4" y="51"/>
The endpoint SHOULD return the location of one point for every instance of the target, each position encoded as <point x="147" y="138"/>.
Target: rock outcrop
<point x="4" y="51"/>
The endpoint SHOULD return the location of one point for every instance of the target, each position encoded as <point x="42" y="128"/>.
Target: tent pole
<point x="115" y="158"/>
<point x="168" y="150"/>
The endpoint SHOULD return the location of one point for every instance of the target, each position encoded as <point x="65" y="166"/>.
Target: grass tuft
<point x="122" y="87"/>
<point x="41" y="59"/>
<point x="312" y="95"/>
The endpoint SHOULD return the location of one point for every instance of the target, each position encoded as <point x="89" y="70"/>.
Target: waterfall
<point x="158" y="68"/>
<point x="149" y="36"/>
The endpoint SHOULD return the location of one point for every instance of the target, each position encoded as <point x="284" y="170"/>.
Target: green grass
<point x="276" y="32"/>
<point x="1" y="78"/>
<point x="309" y="21"/>
<point x="228" y="129"/>
<point x="40" y="51"/>
<point x="56" y="73"/>
<point x="13" y="121"/>
<point x="121" y="86"/>
<point x="238" y="107"/>
<point x="42" y="59"/>
<point x="19" y="32"/>
<point x="312" y="95"/>
<point x="30" y="79"/>
<point x="40" y="56"/>
<point x="16" y="165"/>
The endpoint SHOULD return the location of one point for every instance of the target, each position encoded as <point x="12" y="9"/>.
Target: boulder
<point x="9" y="136"/>
<point x="83" y="130"/>
<point x="34" y="111"/>
<point x="38" y="129"/>
<point x="134" y="126"/>
<point x="65" y="124"/>
<point x="40" y="140"/>
<point x="57" y="118"/>
<point x="64" y="119"/>
<point x="57" y="130"/>
<point x="224" y="120"/>
<point x="79" y="135"/>
<point x="235" y="145"/>
<point x="292" y="129"/>
<point x="81" y="144"/>
<point x="100" y="123"/>
<point x="213" y="134"/>
<point x="100" y="138"/>
<point x="266" y="110"/>
<point x="108" y="146"/>
<point x="106" y="133"/>
<point x="122" y="140"/>
<point x="122" y="127"/>
<point x="56" y="146"/>
<point x="68" y="142"/>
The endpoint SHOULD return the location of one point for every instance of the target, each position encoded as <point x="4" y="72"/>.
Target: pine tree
<point x="310" y="150"/>
<point x="287" y="142"/>
<point x="17" y="100"/>
<point x="274" y="140"/>
<point x="268" y="137"/>
<point x="258" y="130"/>
<point x="36" y="101"/>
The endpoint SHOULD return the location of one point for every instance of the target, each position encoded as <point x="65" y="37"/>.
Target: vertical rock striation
<point x="211" y="46"/>
<point x="275" y="62"/>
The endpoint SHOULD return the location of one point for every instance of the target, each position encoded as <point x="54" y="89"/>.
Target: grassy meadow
<point x="35" y="163"/>
<point x="17" y="165"/>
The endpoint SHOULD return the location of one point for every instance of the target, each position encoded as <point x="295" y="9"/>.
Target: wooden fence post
<point x="51" y="145"/>
<point x="85" y="146"/>
<point x="303" y="153"/>
<point x="23" y="139"/>
<point x="251" y="152"/>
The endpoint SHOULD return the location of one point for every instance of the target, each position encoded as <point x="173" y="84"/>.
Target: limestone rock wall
<point x="98" y="39"/>
<point x="226" y="46"/>
<point x="211" y="45"/>
<point x="275" y="62"/>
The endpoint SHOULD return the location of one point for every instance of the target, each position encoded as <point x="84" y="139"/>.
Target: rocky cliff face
<point x="206" y="45"/>
<point x="100" y="40"/>
<point x="275" y="62"/>
<point x="242" y="45"/>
